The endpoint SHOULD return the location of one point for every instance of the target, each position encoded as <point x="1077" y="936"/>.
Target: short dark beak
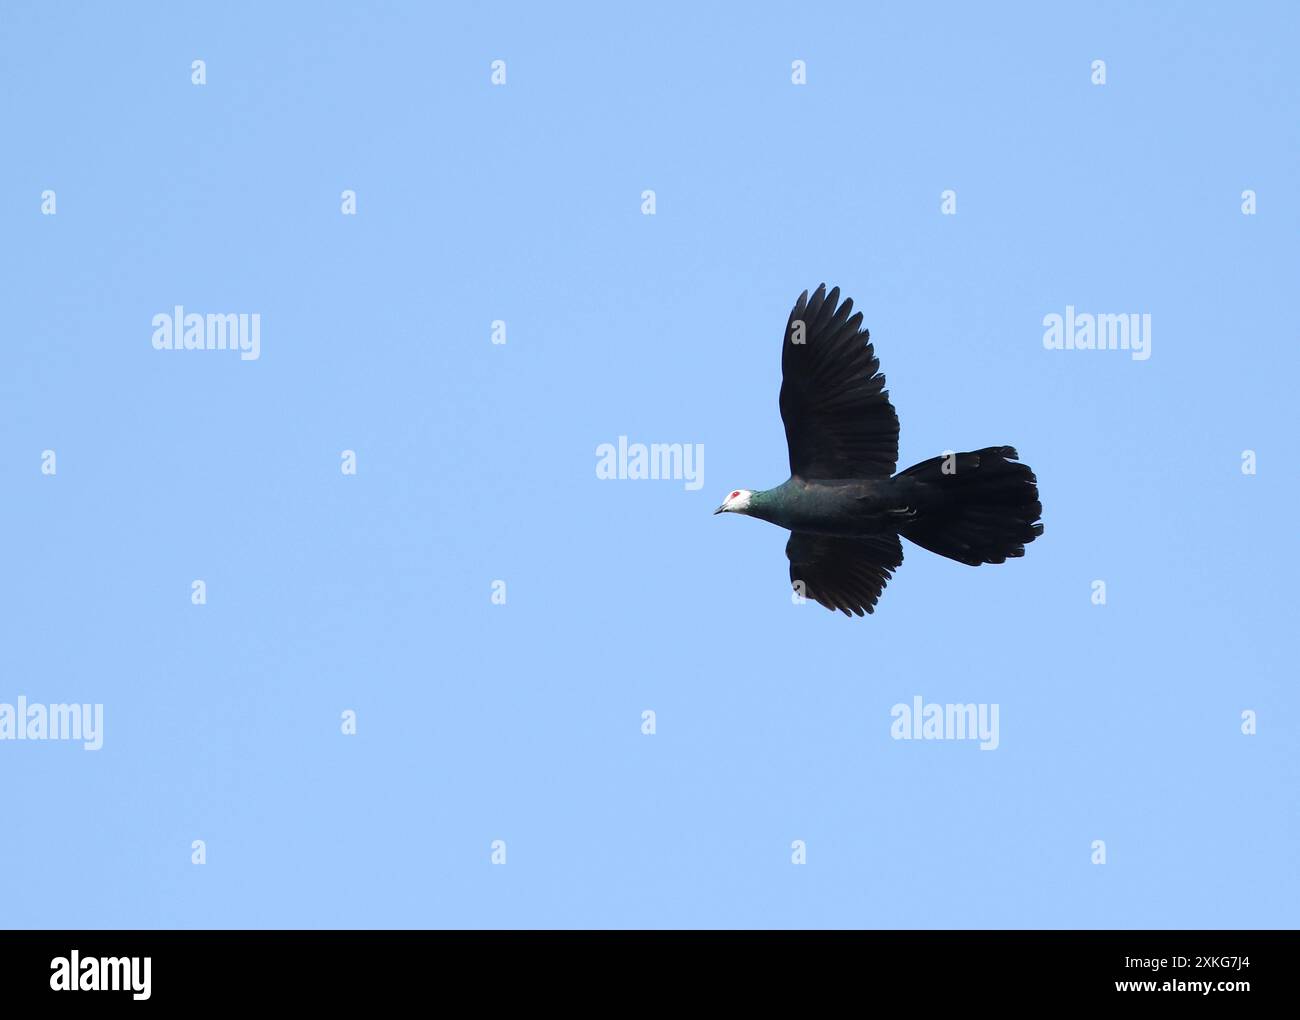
<point x="720" y="510"/>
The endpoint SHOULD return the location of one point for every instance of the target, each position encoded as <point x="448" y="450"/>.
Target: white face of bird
<point x="736" y="503"/>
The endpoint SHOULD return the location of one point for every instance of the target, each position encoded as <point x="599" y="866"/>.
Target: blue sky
<point x="476" y="462"/>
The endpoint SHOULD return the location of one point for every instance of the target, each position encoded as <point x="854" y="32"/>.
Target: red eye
<point x="734" y="494"/>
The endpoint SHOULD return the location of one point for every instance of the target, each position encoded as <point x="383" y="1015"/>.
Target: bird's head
<point x="736" y="503"/>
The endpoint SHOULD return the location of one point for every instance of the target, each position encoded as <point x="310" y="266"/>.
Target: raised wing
<point x="847" y="574"/>
<point x="839" y="422"/>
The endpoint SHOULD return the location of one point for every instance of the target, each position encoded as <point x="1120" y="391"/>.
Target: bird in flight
<point x="843" y="505"/>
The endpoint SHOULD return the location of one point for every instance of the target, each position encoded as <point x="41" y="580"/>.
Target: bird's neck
<point x="763" y="504"/>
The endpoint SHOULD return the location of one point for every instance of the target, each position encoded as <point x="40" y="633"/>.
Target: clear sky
<point x="476" y="462"/>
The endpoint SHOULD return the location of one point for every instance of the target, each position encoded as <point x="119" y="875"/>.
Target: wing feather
<point x="839" y="422"/>
<point x="845" y="574"/>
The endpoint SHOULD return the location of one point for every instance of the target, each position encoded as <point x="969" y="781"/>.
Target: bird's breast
<point x="846" y="509"/>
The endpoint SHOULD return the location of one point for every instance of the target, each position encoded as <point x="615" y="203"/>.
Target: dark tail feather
<point x="983" y="508"/>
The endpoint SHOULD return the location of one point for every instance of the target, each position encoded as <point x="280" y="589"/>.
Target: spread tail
<point x="974" y="508"/>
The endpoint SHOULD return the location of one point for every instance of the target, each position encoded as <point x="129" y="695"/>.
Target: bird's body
<point x="843" y="503"/>
<point x="841" y="508"/>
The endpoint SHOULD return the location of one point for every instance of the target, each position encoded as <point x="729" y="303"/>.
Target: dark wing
<point x="839" y="422"/>
<point x="847" y="574"/>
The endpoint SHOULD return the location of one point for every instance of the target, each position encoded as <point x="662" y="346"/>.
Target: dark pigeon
<point x="843" y="504"/>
